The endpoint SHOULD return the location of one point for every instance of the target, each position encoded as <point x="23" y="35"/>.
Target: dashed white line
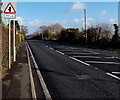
<point x="31" y="78"/>
<point x="113" y="76"/>
<point x="100" y="62"/>
<point x="79" y="61"/>
<point x="59" y="52"/>
<point x="45" y="89"/>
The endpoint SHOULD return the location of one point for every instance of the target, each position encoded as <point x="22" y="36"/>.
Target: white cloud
<point x="103" y="13"/>
<point x="89" y="22"/>
<point x="76" y="20"/>
<point x="112" y="21"/>
<point x="33" y="25"/>
<point x="62" y="0"/>
<point x="79" y="23"/>
<point x="20" y="19"/>
<point x="76" y="7"/>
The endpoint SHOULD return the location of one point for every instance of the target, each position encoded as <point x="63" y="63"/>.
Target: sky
<point x="68" y="14"/>
<point x="63" y="0"/>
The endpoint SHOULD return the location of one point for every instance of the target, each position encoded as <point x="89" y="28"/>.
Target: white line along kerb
<point x="31" y="78"/>
<point x="45" y="90"/>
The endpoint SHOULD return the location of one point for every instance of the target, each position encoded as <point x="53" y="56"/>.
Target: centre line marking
<point x="99" y="62"/>
<point x="86" y="56"/>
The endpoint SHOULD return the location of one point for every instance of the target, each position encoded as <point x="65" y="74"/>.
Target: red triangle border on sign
<point x="7" y="7"/>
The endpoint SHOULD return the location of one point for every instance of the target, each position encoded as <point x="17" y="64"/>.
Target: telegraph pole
<point x="85" y="28"/>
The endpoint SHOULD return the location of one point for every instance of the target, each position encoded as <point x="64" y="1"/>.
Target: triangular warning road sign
<point x="9" y="9"/>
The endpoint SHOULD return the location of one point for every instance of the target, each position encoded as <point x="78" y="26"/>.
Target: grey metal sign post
<point x="0" y="50"/>
<point x="9" y="13"/>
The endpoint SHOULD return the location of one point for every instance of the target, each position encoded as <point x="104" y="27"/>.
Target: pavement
<point x="69" y="73"/>
<point x="16" y="85"/>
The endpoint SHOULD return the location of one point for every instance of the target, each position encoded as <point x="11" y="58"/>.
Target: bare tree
<point x="43" y="28"/>
<point x="24" y="30"/>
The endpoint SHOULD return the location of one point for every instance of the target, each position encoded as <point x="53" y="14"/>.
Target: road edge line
<point x="45" y="89"/>
<point x="31" y="78"/>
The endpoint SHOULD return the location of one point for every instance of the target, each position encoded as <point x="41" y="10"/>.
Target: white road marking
<point x="46" y="46"/>
<point x="100" y="62"/>
<point x="87" y="56"/>
<point x="66" y="50"/>
<point x="78" y="53"/>
<point x="113" y="76"/>
<point x="79" y="61"/>
<point x="31" y="77"/>
<point x="116" y="72"/>
<point x="85" y="50"/>
<point x="72" y="48"/>
<point x="51" y="48"/>
<point x="94" y="57"/>
<point x="117" y="57"/>
<point x="45" y="89"/>
<point x="93" y="52"/>
<point x="60" y="52"/>
<point x="110" y="57"/>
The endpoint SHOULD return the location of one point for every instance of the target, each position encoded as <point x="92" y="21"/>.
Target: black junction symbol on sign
<point x="9" y="9"/>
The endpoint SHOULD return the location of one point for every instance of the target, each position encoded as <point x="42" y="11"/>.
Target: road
<point x="77" y="72"/>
